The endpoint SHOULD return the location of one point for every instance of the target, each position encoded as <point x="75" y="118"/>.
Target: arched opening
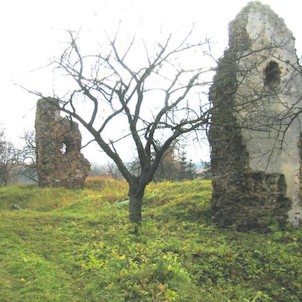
<point x="272" y="75"/>
<point x="63" y="148"/>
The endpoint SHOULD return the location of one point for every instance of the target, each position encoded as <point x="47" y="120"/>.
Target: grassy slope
<point x="77" y="246"/>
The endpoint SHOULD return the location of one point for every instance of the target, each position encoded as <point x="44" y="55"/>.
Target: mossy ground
<point x="79" y="246"/>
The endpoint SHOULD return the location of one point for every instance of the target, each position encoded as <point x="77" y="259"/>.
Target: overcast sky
<point x="32" y="33"/>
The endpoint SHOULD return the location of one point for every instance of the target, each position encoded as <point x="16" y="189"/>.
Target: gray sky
<point x="32" y="33"/>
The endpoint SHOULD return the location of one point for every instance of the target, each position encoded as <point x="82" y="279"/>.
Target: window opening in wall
<point x="63" y="148"/>
<point x="272" y="74"/>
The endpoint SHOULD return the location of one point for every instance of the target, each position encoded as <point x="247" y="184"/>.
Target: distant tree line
<point x="17" y="165"/>
<point x="174" y="166"/>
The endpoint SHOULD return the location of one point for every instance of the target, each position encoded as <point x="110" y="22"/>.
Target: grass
<point x="78" y="246"/>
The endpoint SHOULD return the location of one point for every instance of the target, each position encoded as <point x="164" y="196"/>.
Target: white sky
<point x="32" y="33"/>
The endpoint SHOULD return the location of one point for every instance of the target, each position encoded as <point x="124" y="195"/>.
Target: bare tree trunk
<point x="136" y="194"/>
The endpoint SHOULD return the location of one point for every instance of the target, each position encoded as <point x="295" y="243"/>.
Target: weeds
<point x="81" y="248"/>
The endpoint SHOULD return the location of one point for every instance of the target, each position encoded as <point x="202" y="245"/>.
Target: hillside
<point x="79" y="246"/>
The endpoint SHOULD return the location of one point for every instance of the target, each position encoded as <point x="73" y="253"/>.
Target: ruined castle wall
<point x="254" y="138"/>
<point x="58" y="148"/>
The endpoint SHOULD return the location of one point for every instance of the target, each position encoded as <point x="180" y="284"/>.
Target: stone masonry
<point x="58" y="145"/>
<point x="255" y="133"/>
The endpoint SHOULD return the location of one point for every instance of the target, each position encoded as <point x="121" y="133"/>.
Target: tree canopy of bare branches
<point x="136" y="97"/>
<point x="9" y="159"/>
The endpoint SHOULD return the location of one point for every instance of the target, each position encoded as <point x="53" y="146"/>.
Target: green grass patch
<point x="79" y="246"/>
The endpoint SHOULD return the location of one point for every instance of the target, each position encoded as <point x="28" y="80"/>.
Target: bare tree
<point x="9" y="158"/>
<point x="27" y="159"/>
<point x="151" y="97"/>
<point x="110" y="169"/>
<point x="169" y="166"/>
<point x="174" y="165"/>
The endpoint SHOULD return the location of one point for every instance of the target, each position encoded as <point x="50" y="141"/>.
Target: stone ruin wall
<point x="256" y="169"/>
<point x="58" y="148"/>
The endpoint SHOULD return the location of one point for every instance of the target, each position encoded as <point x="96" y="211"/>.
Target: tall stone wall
<point x="58" y="148"/>
<point x="255" y="131"/>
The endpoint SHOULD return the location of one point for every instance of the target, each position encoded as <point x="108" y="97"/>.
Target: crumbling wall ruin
<point x="58" y="148"/>
<point x="255" y="131"/>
